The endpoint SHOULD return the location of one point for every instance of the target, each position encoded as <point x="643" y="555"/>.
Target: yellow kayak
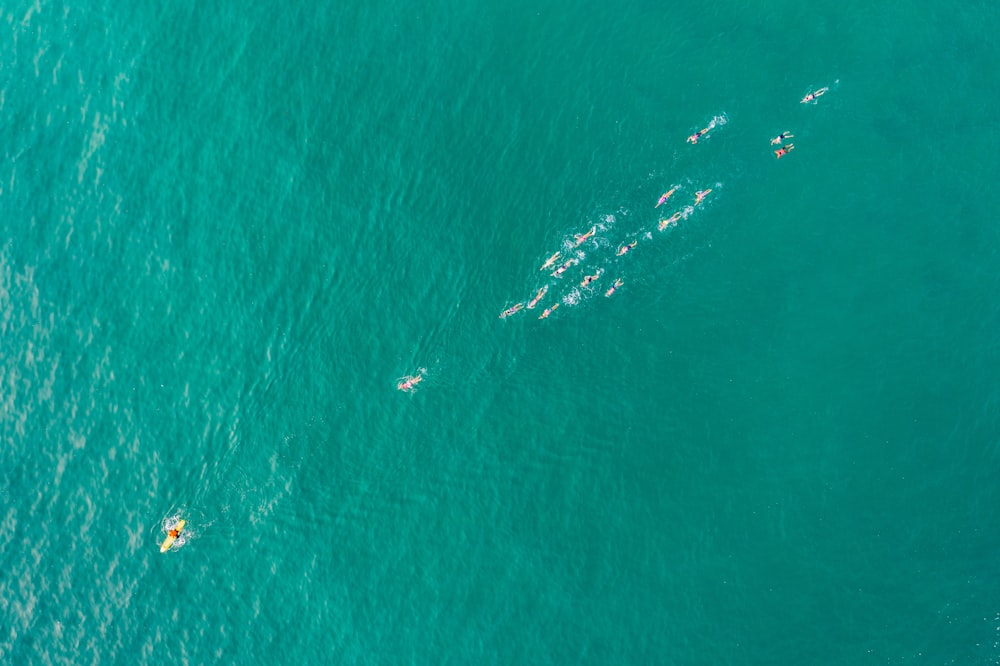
<point x="172" y="535"/>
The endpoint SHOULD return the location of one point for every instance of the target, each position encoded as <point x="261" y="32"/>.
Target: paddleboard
<point x="169" y="541"/>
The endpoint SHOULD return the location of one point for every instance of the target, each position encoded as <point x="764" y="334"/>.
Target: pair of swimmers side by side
<point x="517" y="307"/>
<point x="578" y="239"/>
<point x="699" y="197"/>
<point x="783" y="149"/>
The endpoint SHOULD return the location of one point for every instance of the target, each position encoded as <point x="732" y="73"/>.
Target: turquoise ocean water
<point x="230" y="228"/>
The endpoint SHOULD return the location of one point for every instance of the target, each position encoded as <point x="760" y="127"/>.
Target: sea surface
<point x="228" y="230"/>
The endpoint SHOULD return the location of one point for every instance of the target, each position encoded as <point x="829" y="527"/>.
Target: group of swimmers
<point x="578" y="239"/>
<point x="409" y="383"/>
<point x="810" y="98"/>
<point x="590" y="279"/>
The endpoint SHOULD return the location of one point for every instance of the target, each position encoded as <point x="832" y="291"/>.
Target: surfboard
<point x="169" y="541"/>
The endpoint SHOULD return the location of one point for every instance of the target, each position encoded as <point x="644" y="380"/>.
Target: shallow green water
<point x="228" y="231"/>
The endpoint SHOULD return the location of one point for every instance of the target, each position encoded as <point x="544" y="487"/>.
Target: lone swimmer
<point x="700" y="196"/>
<point x="665" y="196"/>
<point x="538" y="297"/>
<point x="673" y="219"/>
<point x="614" y="287"/>
<point x="700" y="133"/>
<point x="562" y="269"/>
<point x="590" y="278"/>
<point x="784" y="150"/>
<point x="511" y="310"/>
<point x="625" y="248"/>
<point x="582" y="237"/>
<point x="811" y="97"/>
<point x="550" y="261"/>
<point x="548" y="311"/>
<point x="781" y="137"/>
<point x="408" y="384"/>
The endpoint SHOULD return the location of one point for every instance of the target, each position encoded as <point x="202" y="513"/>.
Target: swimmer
<point x="697" y="135"/>
<point x="582" y="237"/>
<point x="625" y="248"/>
<point x="700" y="196"/>
<point x="562" y="269"/>
<point x="538" y="297"/>
<point x="784" y="150"/>
<point x="511" y="310"/>
<point x="551" y="260"/>
<point x="614" y="287"/>
<point x="781" y="137"/>
<point x="665" y="196"/>
<point x="548" y="311"/>
<point x="409" y="384"/>
<point x="673" y="219"/>
<point x="590" y="278"/>
<point x="811" y="97"/>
